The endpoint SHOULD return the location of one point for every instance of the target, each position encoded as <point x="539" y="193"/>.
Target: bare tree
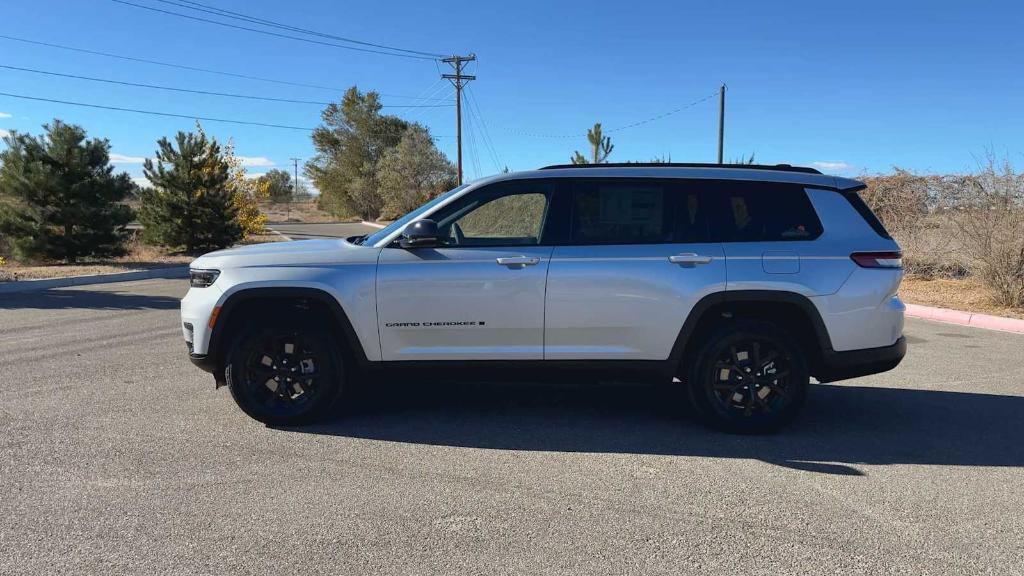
<point x="988" y="212"/>
<point x="907" y="203"/>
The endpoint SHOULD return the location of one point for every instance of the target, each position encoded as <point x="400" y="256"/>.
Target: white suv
<point x="742" y="282"/>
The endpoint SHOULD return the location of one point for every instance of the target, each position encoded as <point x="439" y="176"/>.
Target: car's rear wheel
<point x="748" y="378"/>
<point x="283" y="375"/>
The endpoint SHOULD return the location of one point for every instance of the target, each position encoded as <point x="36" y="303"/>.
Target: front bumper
<point x="855" y="363"/>
<point x="203" y="362"/>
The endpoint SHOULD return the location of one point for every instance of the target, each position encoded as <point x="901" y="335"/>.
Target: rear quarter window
<point x="862" y="208"/>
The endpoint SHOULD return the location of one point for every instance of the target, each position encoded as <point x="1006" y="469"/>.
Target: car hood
<point x="299" y="252"/>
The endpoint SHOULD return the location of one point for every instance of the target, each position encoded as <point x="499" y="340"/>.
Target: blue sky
<point x="852" y="87"/>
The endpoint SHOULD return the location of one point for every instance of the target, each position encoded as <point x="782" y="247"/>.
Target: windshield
<point x="401" y="222"/>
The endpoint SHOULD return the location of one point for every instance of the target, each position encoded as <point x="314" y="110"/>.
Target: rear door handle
<point x="518" y="261"/>
<point x="689" y="258"/>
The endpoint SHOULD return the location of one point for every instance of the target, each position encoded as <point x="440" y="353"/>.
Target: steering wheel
<point x="457" y="231"/>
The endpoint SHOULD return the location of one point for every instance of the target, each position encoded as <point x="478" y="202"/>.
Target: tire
<point x="748" y="378"/>
<point x="302" y="364"/>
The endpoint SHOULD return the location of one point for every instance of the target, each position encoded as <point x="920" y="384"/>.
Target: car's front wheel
<point x="748" y="378"/>
<point x="283" y="375"/>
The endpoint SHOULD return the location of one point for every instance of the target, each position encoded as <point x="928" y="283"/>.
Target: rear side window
<point x="614" y="212"/>
<point x="635" y="211"/>
<point x="762" y="212"/>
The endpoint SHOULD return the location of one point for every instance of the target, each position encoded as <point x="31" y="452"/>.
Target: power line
<point x="204" y="92"/>
<point x="440" y="89"/>
<point x="269" y="33"/>
<point x="155" y="113"/>
<point x="485" y="132"/>
<point x="619" y="128"/>
<point x="476" y="132"/>
<point x="200" y="7"/>
<point x="660" y="116"/>
<point x="153" y="86"/>
<point x="471" y="146"/>
<point x="194" y="68"/>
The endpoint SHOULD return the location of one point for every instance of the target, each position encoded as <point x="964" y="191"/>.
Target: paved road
<point x="303" y="231"/>
<point x="119" y="457"/>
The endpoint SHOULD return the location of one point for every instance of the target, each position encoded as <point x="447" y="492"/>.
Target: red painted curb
<point x="966" y="318"/>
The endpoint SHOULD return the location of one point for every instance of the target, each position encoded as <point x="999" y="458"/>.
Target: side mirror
<point x="420" y="234"/>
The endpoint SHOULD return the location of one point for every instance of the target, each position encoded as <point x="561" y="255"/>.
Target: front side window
<point x="409" y="217"/>
<point x="505" y="214"/>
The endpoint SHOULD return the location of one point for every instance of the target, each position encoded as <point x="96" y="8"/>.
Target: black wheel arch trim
<point x="828" y="366"/>
<point x="705" y="304"/>
<point x="212" y="359"/>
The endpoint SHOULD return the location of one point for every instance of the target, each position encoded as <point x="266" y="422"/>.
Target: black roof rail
<point x="776" y="167"/>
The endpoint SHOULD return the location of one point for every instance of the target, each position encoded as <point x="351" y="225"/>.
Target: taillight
<point x="878" y="259"/>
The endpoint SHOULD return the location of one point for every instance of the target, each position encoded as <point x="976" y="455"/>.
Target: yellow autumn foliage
<point x="245" y="193"/>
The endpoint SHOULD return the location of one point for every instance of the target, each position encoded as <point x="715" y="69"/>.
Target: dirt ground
<point x="299" y="212"/>
<point x="964" y="294"/>
<point x="139" y="257"/>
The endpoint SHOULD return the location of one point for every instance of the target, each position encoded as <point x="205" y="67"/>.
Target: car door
<point x="480" y="295"/>
<point x="636" y="261"/>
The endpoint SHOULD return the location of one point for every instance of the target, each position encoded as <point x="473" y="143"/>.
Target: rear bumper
<point x="855" y="363"/>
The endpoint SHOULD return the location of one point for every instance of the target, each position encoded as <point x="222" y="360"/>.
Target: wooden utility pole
<point x="295" y="188"/>
<point x="459" y="80"/>
<point x="721" y="123"/>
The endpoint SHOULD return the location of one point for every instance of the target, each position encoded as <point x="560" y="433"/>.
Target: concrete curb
<point x="30" y="285"/>
<point x="288" y="238"/>
<point x="371" y="224"/>
<point x="966" y="318"/>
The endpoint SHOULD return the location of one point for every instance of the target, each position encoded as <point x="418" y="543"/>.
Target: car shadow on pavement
<point x="66" y="299"/>
<point x="842" y="425"/>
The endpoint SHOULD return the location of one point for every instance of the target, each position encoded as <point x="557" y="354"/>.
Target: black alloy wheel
<point x="751" y="376"/>
<point x="284" y="376"/>
<point x="748" y="378"/>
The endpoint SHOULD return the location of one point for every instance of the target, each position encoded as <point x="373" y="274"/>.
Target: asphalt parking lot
<point x="119" y="457"/>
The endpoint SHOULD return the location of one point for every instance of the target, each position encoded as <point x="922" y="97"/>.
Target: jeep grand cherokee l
<point x="740" y="282"/>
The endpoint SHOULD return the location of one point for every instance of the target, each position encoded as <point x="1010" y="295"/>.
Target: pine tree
<point x="59" y="196"/>
<point x="190" y="204"/>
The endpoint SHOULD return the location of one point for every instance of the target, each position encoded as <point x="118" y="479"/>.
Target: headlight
<point x="202" y="278"/>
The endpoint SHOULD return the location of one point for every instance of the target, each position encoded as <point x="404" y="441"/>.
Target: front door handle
<point x="519" y="261"/>
<point x="689" y="258"/>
